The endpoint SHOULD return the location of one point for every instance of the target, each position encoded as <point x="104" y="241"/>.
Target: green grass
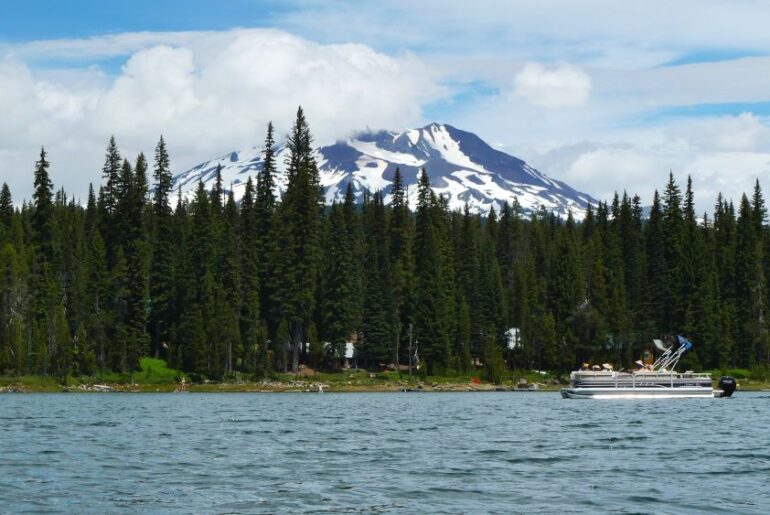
<point x="361" y="377"/>
<point x="156" y="375"/>
<point x="31" y="382"/>
<point x="155" y="371"/>
<point x="151" y="372"/>
<point x="759" y="373"/>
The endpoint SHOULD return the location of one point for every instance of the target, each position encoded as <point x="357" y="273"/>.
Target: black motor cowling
<point x="728" y="385"/>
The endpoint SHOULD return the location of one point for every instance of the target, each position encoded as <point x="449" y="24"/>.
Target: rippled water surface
<point x="393" y="453"/>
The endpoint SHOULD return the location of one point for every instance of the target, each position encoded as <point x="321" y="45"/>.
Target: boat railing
<point x="638" y="378"/>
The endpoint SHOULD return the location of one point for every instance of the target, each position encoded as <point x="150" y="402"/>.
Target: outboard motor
<point x="728" y="385"/>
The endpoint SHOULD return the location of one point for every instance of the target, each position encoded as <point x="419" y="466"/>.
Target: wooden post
<point x="398" y="337"/>
<point x="410" y="352"/>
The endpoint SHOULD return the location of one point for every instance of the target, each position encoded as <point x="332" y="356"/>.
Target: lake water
<point x="382" y="453"/>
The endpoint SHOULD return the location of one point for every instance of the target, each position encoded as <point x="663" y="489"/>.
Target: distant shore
<point x="296" y="386"/>
<point x="308" y="385"/>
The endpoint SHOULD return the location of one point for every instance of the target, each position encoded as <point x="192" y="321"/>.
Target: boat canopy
<point x="669" y="359"/>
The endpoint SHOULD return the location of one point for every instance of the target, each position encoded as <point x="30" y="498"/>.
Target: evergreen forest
<point x="223" y="289"/>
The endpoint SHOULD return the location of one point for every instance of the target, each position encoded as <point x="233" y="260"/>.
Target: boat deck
<point x="587" y="379"/>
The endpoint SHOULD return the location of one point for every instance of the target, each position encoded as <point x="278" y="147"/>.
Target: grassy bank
<point x="755" y="379"/>
<point x="155" y="376"/>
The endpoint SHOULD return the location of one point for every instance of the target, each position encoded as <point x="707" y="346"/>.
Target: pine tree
<point x="250" y="320"/>
<point x="401" y="260"/>
<point x="118" y="334"/>
<point x="429" y="320"/>
<point x="725" y="231"/>
<point x="97" y="287"/>
<point x="230" y="284"/>
<point x="297" y="261"/>
<point x="137" y="259"/>
<point x="690" y="261"/>
<point x="44" y="284"/>
<point x="706" y="299"/>
<point x="378" y="316"/>
<point x="341" y="281"/>
<point x="111" y="175"/>
<point x="113" y="190"/>
<point x="656" y="269"/>
<point x="672" y="223"/>
<point x="264" y="215"/>
<point x="6" y="211"/>
<point x="161" y="280"/>
<point x="42" y="218"/>
<point x="202" y="350"/>
<point x="218" y="190"/>
<point x="758" y="210"/>
<point x="759" y="216"/>
<point x="565" y="277"/>
<point x="491" y="289"/>
<point x="12" y="300"/>
<point x="749" y="281"/>
<point x="62" y="351"/>
<point x="122" y="228"/>
<point x="163" y="180"/>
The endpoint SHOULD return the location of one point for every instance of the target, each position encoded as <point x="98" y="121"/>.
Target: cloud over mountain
<point x="202" y="90"/>
<point x="461" y="167"/>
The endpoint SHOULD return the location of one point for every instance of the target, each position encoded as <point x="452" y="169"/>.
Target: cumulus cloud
<point x="635" y="89"/>
<point x="595" y="32"/>
<point x="558" y="86"/>
<point x="745" y="132"/>
<point x="722" y="154"/>
<point x="604" y="168"/>
<point x="208" y="93"/>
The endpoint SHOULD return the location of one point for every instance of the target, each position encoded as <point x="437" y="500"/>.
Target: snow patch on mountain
<point x="460" y="166"/>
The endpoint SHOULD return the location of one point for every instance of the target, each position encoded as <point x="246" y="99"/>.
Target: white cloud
<point x="603" y="169"/>
<point x="626" y="49"/>
<point x="722" y="154"/>
<point x="745" y="132"/>
<point x="596" y="32"/>
<point x="208" y="93"/>
<point x="553" y="75"/>
<point x="558" y="86"/>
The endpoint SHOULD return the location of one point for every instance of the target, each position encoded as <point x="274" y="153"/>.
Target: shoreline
<point x="270" y="387"/>
<point x="300" y="386"/>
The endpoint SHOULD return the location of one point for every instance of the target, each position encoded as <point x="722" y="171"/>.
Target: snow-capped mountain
<point x="460" y="165"/>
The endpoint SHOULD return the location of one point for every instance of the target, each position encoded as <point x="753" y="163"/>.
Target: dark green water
<point x="390" y="453"/>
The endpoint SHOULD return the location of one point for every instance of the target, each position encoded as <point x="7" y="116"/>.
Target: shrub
<point x="153" y="370"/>
<point x="494" y="364"/>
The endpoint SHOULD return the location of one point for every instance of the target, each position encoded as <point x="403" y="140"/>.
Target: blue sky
<point x="604" y="95"/>
<point x="28" y="20"/>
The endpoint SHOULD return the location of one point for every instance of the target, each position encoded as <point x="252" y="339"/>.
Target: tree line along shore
<point x="233" y="292"/>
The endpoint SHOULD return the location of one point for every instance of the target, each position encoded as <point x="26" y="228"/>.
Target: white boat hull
<point x="681" y="392"/>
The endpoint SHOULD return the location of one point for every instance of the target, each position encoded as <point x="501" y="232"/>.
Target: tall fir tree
<point x="297" y="258"/>
<point x="163" y="255"/>
<point x="376" y="324"/>
<point x="430" y="327"/>
<point x="264" y="215"/>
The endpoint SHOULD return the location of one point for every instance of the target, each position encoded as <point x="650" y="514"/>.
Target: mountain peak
<point x="437" y="126"/>
<point x="460" y="165"/>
